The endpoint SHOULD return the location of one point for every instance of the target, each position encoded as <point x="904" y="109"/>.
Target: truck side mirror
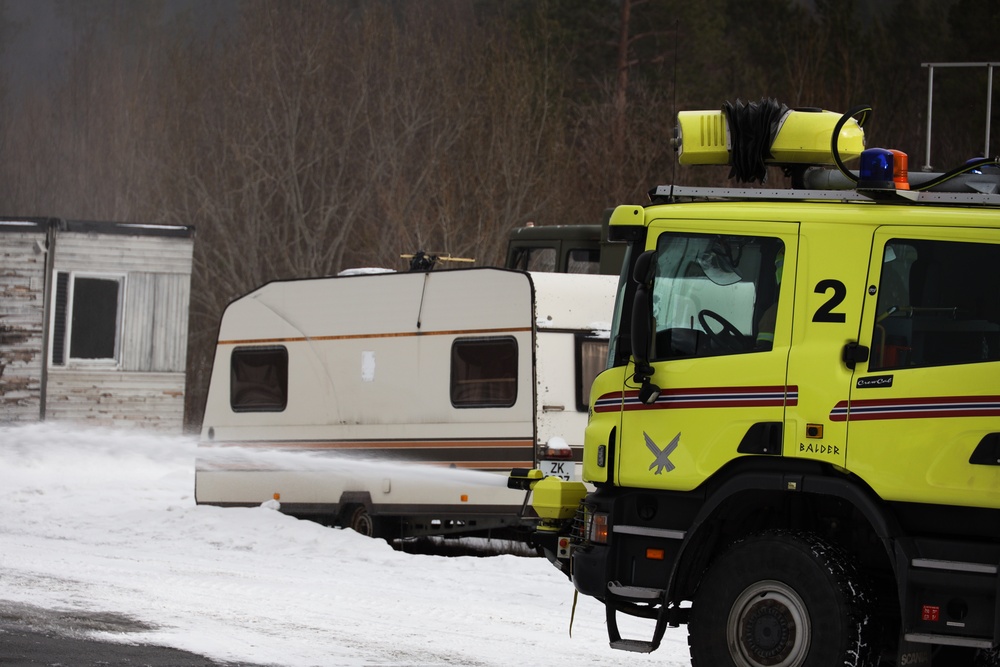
<point x="642" y="325"/>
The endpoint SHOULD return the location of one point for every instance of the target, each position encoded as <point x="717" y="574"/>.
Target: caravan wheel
<point x="360" y="521"/>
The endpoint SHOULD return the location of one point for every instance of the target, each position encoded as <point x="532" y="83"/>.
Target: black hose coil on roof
<point x="752" y="129"/>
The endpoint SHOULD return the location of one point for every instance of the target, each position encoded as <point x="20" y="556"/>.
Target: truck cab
<point x="565" y="249"/>
<point x="795" y="448"/>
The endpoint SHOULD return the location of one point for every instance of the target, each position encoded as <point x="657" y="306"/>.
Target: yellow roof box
<point x="703" y="137"/>
<point x="782" y="135"/>
<point x="804" y="137"/>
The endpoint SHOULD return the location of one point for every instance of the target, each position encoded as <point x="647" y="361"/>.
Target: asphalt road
<point x="34" y="636"/>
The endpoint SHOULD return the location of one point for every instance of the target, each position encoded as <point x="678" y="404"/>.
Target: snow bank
<point x="105" y="521"/>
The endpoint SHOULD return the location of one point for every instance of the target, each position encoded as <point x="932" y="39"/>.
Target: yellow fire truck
<point x="795" y="447"/>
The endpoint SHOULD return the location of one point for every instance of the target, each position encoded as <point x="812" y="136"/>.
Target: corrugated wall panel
<point x="154" y="336"/>
<point x="108" y="253"/>
<point x="173" y="295"/>
<point x="145" y="400"/>
<point x="137" y="332"/>
<point x="22" y="309"/>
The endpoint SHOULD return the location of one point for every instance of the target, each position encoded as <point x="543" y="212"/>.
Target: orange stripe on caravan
<point x="471" y="465"/>
<point x="401" y="334"/>
<point x="379" y="444"/>
<point x="482" y="465"/>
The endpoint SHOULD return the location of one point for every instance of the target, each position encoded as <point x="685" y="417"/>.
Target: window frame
<point x="465" y="404"/>
<point x="900" y="338"/>
<point x="590" y="266"/>
<point x="765" y="288"/>
<point x="583" y="392"/>
<point x="259" y="350"/>
<point x="66" y="313"/>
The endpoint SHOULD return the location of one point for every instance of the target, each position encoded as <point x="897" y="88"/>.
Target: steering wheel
<point x="729" y="337"/>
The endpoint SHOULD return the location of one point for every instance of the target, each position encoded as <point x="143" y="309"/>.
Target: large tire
<point x="782" y="599"/>
<point x="987" y="657"/>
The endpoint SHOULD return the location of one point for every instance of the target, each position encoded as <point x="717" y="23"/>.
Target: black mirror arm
<point x="642" y="333"/>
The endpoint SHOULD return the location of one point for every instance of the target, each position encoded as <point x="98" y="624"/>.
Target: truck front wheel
<point x="782" y="599"/>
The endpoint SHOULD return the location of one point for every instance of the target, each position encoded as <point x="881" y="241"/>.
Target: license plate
<point x="561" y="469"/>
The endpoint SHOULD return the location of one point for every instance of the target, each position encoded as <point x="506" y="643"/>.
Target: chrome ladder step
<point x="633" y="645"/>
<point x="635" y="593"/>
<point x="628" y="596"/>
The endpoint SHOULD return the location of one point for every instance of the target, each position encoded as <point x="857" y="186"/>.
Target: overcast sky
<point x="36" y="40"/>
<point x="38" y="34"/>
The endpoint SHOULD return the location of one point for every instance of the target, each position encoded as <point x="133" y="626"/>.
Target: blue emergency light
<point x="883" y="169"/>
<point x="875" y="172"/>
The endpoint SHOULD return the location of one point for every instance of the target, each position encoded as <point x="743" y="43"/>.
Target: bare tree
<point x="326" y="136"/>
<point x="88" y="147"/>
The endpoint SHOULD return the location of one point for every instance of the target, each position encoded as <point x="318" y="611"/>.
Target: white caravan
<point x="385" y="402"/>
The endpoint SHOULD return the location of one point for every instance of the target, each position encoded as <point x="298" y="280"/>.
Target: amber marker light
<point x="900" y="170"/>
<point x="655" y="554"/>
<point x="599" y="528"/>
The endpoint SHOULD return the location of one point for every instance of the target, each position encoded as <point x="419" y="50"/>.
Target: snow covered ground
<point x="105" y="521"/>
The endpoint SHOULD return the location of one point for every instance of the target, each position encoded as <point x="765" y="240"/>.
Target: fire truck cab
<point x="795" y="448"/>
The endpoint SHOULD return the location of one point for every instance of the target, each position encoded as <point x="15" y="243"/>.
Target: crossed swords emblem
<point x="662" y="459"/>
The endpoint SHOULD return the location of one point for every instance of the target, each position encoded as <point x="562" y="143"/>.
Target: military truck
<point x="582" y="248"/>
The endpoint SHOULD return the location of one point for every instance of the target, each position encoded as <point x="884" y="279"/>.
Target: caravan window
<point x="484" y="372"/>
<point x="591" y="360"/>
<point x="258" y="379"/>
<point x="87" y="318"/>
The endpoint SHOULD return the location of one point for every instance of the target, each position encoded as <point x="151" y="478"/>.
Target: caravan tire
<point x="360" y="521"/>
<point x="782" y="599"/>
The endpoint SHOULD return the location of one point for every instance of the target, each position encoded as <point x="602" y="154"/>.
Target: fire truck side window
<point x="715" y="294"/>
<point x="937" y="305"/>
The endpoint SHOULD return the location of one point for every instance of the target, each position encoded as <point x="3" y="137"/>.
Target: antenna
<point x="673" y="111"/>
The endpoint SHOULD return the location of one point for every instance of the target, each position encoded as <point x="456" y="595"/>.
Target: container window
<point x="87" y="318"/>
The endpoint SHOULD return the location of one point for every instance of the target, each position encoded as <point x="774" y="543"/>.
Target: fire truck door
<point x="926" y="405"/>
<point x="722" y="318"/>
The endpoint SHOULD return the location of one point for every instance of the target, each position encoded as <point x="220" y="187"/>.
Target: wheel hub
<point x="768" y="627"/>
<point x="769" y="631"/>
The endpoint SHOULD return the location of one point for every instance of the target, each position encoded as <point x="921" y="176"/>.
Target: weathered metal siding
<point x="154" y="335"/>
<point x="147" y="388"/>
<point x="111" y="399"/>
<point x="22" y="313"/>
<point x="105" y="253"/>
